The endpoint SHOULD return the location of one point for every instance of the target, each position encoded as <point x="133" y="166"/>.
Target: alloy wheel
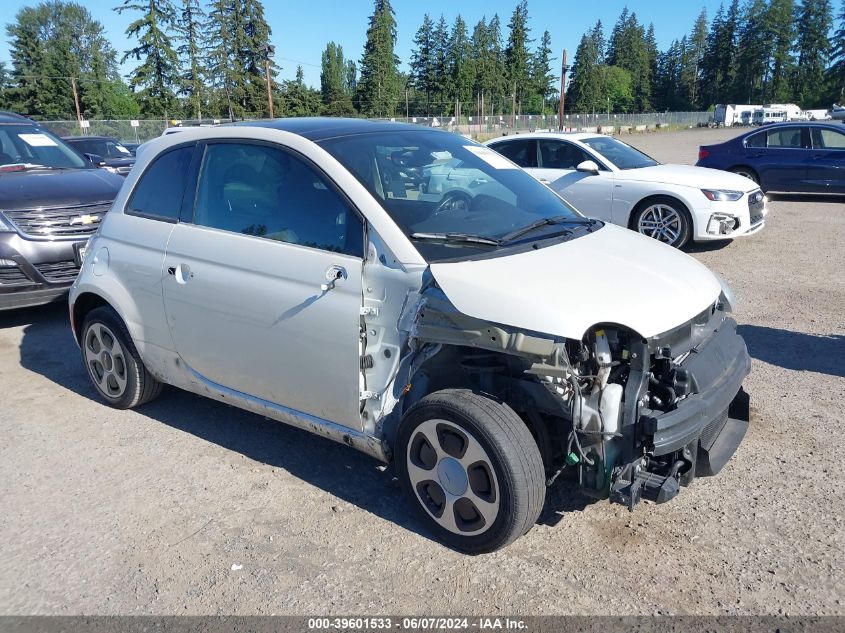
<point x="661" y="222"/>
<point x="106" y="360"/>
<point x="453" y="477"/>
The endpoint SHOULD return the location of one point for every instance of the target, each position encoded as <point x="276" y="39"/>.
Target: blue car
<point x="797" y="157"/>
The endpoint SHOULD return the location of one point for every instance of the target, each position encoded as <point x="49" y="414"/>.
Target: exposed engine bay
<point x="629" y="418"/>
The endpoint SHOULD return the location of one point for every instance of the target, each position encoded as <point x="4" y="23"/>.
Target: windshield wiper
<point x="25" y="166"/>
<point x="558" y="219"/>
<point x="460" y="238"/>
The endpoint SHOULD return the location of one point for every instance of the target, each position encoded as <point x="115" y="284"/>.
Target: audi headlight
<point x="722" y="195"/>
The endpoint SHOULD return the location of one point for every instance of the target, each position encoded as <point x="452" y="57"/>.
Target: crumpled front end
<point x="649" y="415"/>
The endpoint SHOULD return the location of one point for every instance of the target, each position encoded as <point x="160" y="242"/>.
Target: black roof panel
<point x="320" y="128"/>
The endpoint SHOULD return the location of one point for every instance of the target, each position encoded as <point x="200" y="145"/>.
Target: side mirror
<point x="95" y="158"/>
<point x="588" y="167"/>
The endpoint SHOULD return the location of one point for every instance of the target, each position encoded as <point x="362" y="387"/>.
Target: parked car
<point x="612" y="181"/>
<point x="132" y="147"/>
<point x="807" y="157"/>
<point x="51" y="200"/>
<point x="115" y="156"/>
<point x="483" y="348"/>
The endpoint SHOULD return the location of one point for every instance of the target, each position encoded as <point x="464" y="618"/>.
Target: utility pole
<point x="564" y="69"/>
<point x="269" y="49"/>
<point x="76" y="102"/>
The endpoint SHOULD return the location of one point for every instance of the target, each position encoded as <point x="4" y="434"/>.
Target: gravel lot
<point x="155" y="511"/>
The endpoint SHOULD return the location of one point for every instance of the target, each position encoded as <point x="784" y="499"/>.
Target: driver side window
<point x="272" y="194"/>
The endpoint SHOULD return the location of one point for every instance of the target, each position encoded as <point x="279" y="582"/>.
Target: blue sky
<point x="301" y="28"/>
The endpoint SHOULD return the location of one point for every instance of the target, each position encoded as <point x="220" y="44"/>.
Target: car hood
<point x="127" y="161"/>
<point x="688" y="176"/>
<point x="613" y="275"/>
<point x="66" y="187"/>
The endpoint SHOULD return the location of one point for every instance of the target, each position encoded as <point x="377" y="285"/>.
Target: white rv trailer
<point x="733" y="114"/>
<point x="777" y="113"/>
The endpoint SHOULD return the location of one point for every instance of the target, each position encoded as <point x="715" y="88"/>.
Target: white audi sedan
<point x="612" y="181"/>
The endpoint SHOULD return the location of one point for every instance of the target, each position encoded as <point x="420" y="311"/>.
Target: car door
<point x="142" y="232"/>
<point x="591" y="194"/>
<point x="826" y="164"/>
<point x="781" y="162"/>
<point x="263" y="292"/>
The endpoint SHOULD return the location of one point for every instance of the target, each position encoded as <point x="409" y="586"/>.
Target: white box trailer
<point x="734" y="114"/>
<point x="818" y="115"/>
<point x="777" y="113"/>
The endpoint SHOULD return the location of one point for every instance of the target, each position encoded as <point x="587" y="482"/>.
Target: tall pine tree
<point x="157" y="77"/>
<point x="378" y="86"/>
<point x="814" y="19"/>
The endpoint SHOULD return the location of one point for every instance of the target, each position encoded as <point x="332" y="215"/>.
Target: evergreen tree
<point x="460" y="68"/>
<point x="334" y="82"/>
<point x="237" y="51"/>
<point x="517" y="57"/>
<point x="5" y="80"/>
<point x="780" y="31"/>
<point x="543" y="77"/>
<point x="754" y="50"/>
<point x="297" y="99"/>
<point x="653" y="54"/>
<point x="669" y="66"/>
<point x="378" y="86"/>
<point x="814" y="20"/>
<point x="423" y="61"/>
<point x="585" y="93"/>
<point x="496" y="54"/>
<point x="696" y="45"/>
<point x="628" y="49"/>
<point x="442" y="84"/>
<point x="836" y="73"/>
<point x="188" y="28"/>
<point x="718" y="67"/>
<point x="155" y="78"/>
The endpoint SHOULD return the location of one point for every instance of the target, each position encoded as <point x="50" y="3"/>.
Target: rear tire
<point x="747" y="172"/>
<point x="113" y="363"/>
<point x="664" y="219"/>
<point x="471" y="469"/>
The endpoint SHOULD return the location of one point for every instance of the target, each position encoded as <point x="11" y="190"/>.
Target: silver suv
<point x="416" y="296"/>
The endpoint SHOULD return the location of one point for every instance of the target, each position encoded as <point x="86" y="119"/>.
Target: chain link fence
<point x="477" y="126"/>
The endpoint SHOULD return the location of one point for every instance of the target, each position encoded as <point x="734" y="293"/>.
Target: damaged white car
<point x="476" y="331"/>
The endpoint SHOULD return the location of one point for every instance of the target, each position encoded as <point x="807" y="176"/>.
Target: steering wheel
<point x="453" y="201"/>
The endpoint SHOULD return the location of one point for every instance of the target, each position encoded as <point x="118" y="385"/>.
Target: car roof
<point x="89" y="138"/>
<point x="320" y="128"/>
<point x="769" y="126"/>
<point x="11" y="117"/>
<point x="569" y="136"/>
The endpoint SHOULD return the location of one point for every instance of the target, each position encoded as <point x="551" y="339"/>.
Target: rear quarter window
<point x="756" y="140"/>
<point x="160" y="188"/>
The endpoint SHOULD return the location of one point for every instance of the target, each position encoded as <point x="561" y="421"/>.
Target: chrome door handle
<point x="334" y="274"/>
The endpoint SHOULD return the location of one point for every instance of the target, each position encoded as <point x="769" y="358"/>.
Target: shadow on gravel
<point x="798" y="351"/>
<point x="47" y="348"/>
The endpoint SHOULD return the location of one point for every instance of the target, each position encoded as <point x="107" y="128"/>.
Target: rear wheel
<point x="471" y="468"/>
<point x="664" y="219"/>
<point x="747" y="172"/>
<point x="113" y="363"/>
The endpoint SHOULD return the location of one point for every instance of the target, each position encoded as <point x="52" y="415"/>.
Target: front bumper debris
<point x="701" y="434"/>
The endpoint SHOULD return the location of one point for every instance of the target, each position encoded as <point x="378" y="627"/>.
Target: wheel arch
<point x="87" y="298"/>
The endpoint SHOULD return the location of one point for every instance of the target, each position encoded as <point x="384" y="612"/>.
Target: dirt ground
<point x="187" y="506"/>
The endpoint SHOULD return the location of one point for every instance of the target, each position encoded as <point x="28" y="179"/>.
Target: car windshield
<point x="33" y="147"/>
<point x="105" y="147"/>
<point x="622" y="155"/>
<point x="451" y="196"/>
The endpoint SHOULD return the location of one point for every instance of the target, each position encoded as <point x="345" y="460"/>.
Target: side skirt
<point x="201" y="385"/>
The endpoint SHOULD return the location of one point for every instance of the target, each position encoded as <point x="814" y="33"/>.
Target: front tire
<point x="664" y="219"/>
<point x="471" y="468"/>
<point x="113" y="363"/>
